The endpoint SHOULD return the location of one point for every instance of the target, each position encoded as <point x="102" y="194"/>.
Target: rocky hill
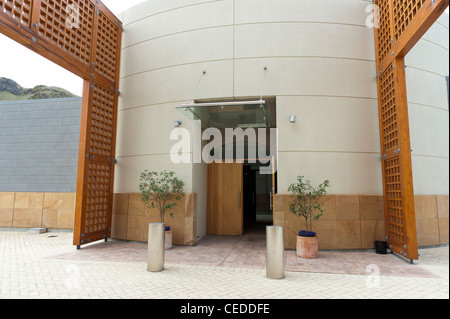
<point x="11" y="90"/>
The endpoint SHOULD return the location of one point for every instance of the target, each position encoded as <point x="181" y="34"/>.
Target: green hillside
<point x="11" y="91"/>
<point x="6" y="96"/>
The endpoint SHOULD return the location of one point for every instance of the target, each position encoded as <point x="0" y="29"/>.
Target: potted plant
<point x="305" y="203"/>
<point x="161" y="190"/>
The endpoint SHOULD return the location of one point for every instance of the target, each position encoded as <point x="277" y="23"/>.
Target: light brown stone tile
<point x="279" y="206"/>
<point x="135" y="205"/>
<point x="443" y="206"/>
<point x="36" y="200"/>
<point x="50" y="218"/>
<point x="66" y="201"/>
<point x="327" y="233"/>
<point x="195" y="209"/>
<point x="190" y="233"/>
<point x="189" y="204"/>
<point x="120" y="204"/>
<point x="22" y="200"/>
<point x="7" y="200"/>
<point x="6" y="217"/>
<point x="349" y="234"/>
<point x="177" y="226"/>
<point x="288" y="215"/>
<point x="443" y="231"/>
<point x="154" y="214"/>
<point x="291" y="229"/>
<point x="347" y="207"/>
<point x="420" y="234"/>
<point x="430" y="232"/>
<point x="371" y="207"/>
<point x="119" y="226"/>
<point x="372" y="231"/>
<point x="177" y="211"/>
<point x="426" y="206"/>
<point x="20" y="217"/>
<point x="34" y="218"/>
<point x="137" y="227"/>
<point x="328" y="202"/>
<point x="51" y="200"/>
<point x="278" y="217"/>
<point x="65" y="219"/>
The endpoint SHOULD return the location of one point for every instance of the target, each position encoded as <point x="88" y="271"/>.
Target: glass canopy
<point x="244" y="114"/>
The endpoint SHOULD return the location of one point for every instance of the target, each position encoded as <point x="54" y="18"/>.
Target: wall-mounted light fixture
<point x="177" y="123"/>
<point x="293" y="119"/>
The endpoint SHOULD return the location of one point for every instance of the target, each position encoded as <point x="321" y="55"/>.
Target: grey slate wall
<point x="39" y="145"/>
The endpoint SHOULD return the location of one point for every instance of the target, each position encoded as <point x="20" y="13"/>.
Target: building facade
<point x="303" y="69"/>
<point x="313" y="60"/>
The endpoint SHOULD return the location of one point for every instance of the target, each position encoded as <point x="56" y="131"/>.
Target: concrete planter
<point x="155" y="258"/>
<point x="307" y="247"/>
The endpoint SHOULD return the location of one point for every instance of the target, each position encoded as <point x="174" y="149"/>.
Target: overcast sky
<point x="29" y="69"/>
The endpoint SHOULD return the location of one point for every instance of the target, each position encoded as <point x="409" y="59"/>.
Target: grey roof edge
<point x="17" y="102"/>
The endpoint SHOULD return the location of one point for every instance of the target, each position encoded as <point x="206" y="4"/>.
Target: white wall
<point x="321" y="67"/>
<point x="427" y="65"/>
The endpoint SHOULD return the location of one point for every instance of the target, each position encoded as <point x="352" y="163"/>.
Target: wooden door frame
<point x="400" y="26"/>
<point x="90" y="50"/>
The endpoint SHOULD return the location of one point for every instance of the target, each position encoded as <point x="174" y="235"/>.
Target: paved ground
<point x="48" y="266"/>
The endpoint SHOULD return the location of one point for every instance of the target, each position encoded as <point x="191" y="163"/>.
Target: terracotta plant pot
<point x="168" y="242"/>
<point x="307" y="247"/>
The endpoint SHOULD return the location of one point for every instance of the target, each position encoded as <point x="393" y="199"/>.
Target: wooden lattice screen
<point x="84" y="37"/>
<point x="399" y="25"/>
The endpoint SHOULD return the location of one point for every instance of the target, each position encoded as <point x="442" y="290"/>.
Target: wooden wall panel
<point x="401" y="24"/>
<point x="84" y="37"/>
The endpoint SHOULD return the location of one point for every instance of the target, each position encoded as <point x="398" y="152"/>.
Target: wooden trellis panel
<point x="75" y="35"/>
<point x="20" y="11"/>
<point x="84" y="37"/>
<point x="401" y="24"/>
<point x="403" y="13"/>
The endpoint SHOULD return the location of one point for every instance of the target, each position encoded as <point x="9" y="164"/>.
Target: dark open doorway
<point x="258" y="210"/>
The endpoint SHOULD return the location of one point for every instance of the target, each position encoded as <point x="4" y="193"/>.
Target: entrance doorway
<point x="258" y="208"/>
<point x="240" y="199"/>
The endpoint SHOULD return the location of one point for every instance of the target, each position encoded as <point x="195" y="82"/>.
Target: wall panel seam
<point x="168" y="10"/>
<point x="236" y="25"/>
<point x="427" y="71"/>
<point x="430" y="156"/>
<point x="246" y="58"/>
<point x="176" y="33"/>
<point x="432" y="42"/>
<point x="431" y="106"/>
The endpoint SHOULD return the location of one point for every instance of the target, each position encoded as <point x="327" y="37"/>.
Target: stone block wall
<point x="131" y="218"/>
<point x="37" y="210"/>
<point x="357" y="221"/>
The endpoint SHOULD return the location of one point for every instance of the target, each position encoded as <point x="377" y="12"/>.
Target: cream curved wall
<point x="427" y="66"/>
<point x="321" y="68"/>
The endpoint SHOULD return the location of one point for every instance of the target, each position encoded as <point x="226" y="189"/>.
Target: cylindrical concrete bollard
<point x="156" y="247"/>
<point x="275" y="252"/>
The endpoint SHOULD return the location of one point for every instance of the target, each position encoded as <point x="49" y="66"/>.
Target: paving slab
<point x="48" y="266"/>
